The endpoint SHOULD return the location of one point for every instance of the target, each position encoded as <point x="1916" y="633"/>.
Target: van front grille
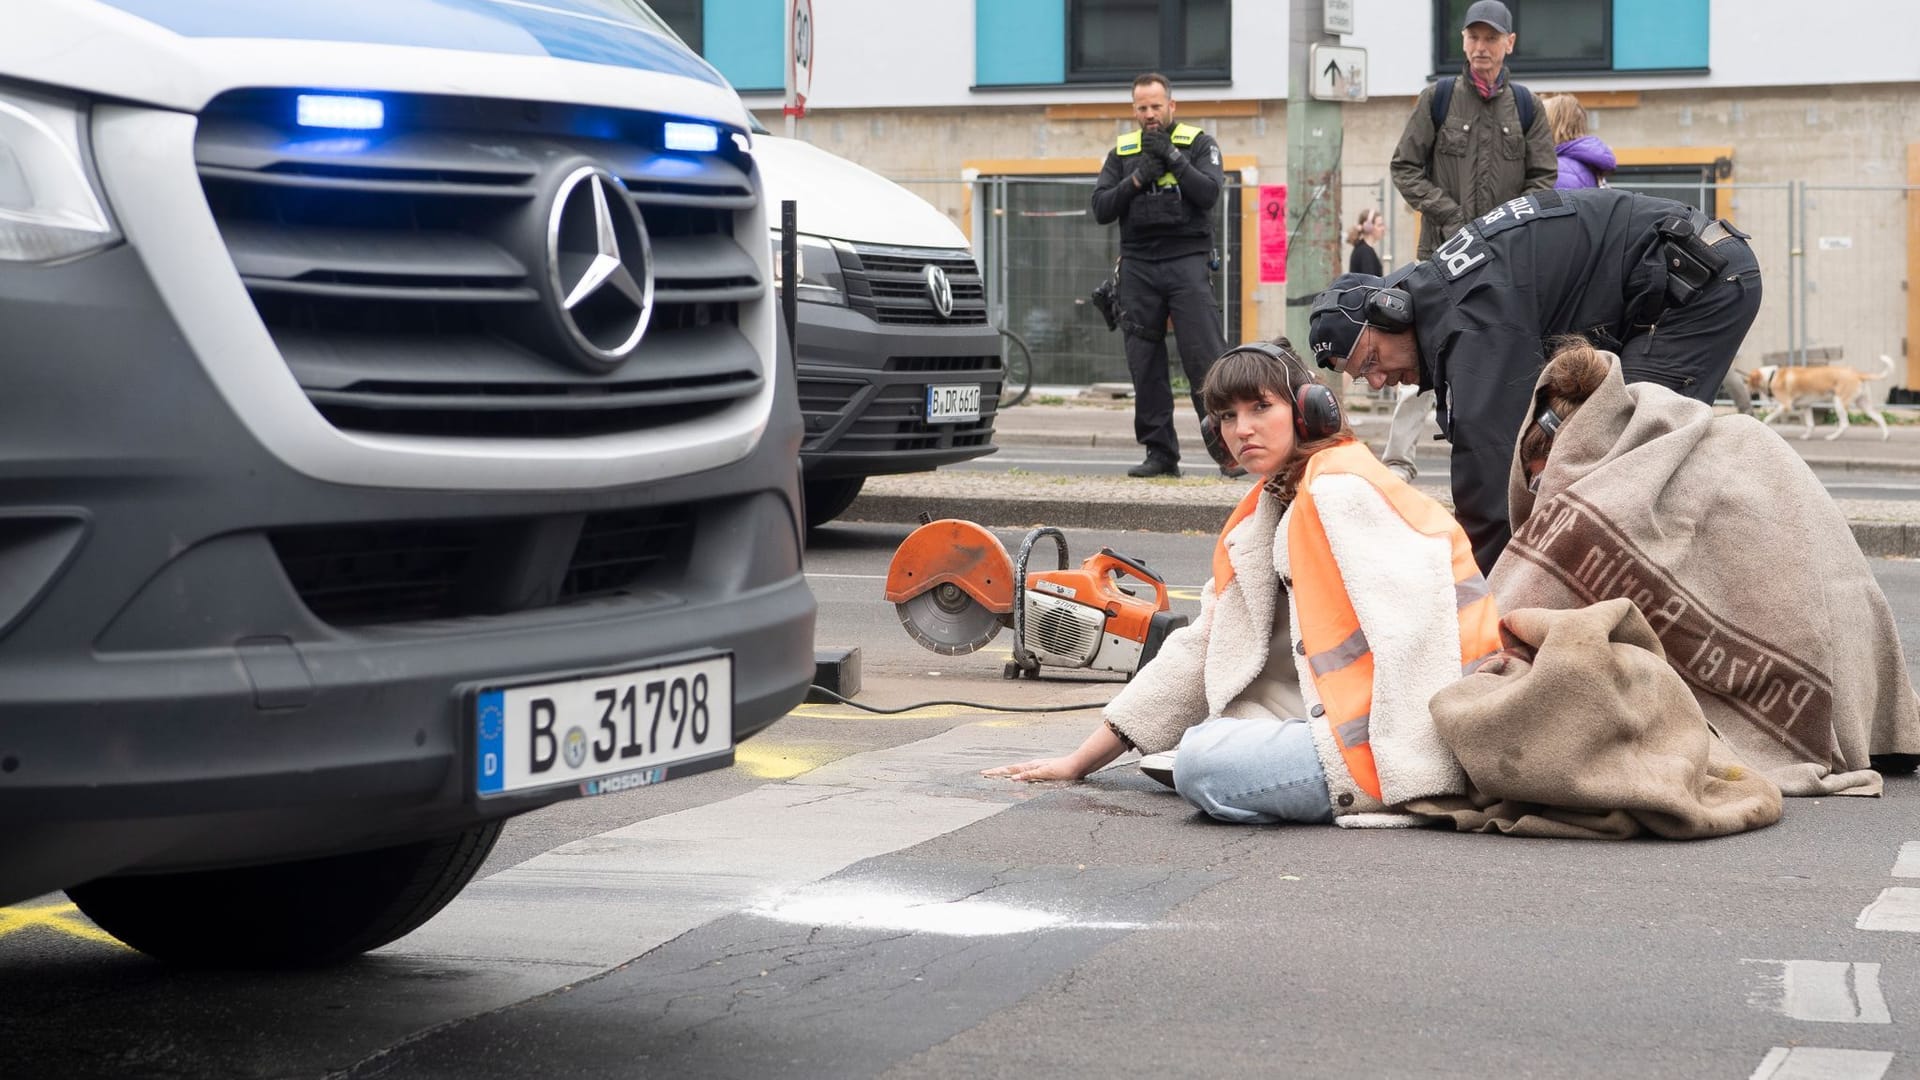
<point x="407" y="275"/>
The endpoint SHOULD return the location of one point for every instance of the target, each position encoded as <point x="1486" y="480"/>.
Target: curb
<point x="1191" y="446"/>
<point x="1877" y="539"/>
<point x="1025" y="513"/>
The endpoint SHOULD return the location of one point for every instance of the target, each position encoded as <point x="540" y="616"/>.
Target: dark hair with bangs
<point x="1246" y="374"/>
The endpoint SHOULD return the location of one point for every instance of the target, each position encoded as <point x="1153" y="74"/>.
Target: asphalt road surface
<point x="854" y="900"/>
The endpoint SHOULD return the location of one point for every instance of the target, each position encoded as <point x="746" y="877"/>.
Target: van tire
<point x="829" y="497"/>
<point x="287" y="915"/>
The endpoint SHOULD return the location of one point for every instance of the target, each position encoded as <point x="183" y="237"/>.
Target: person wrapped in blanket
<point x="1341" y="600"/>
<point x="1733" y="550"/>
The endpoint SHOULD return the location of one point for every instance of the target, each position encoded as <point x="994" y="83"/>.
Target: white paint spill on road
<point x="1895" y="909"/>
<point x="1825" y="991"/>
<point x="1908" y="864"/>
<point x="598" y="902"/>
<point x="1820" y="1063"/>
<point x="881" y="909"/>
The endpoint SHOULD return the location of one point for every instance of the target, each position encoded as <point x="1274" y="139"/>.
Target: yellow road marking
<point x="59" y="918"/>
<point x="772" y="761"/>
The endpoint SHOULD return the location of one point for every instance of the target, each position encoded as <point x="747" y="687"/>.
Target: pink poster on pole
<point x="1273" y="234"/>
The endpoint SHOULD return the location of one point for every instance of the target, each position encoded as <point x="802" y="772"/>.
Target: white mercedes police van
<point x="394" y="440"/>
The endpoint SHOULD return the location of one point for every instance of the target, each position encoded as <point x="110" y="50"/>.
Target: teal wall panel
<point x="1019" y="42"/>
<point x="746" y="40"/>
<point x="1659" y="34"/>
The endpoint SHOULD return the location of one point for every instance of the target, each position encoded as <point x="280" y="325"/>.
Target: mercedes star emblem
<point x="939" y="290"/>
<point x="600" y="266"/>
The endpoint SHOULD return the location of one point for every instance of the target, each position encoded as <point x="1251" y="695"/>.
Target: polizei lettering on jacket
<point x="1573" y="541"/>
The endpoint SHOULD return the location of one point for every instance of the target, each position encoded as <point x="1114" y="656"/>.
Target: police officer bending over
<point x="1161" y="184"/>
<point x="1651" y="279"/>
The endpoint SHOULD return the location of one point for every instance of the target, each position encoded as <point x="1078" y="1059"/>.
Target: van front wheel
<point x="828" y="498"/>
<point x="292" y="914"/>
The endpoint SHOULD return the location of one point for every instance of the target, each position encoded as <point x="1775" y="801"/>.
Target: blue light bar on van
<point x="693" y="138"/>
<point x="339" y="112"/>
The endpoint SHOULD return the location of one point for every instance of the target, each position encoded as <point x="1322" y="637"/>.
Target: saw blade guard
<point x="953" y="552"/>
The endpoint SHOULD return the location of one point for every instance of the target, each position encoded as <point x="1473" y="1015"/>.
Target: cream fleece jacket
<point x="1401" y="586"/>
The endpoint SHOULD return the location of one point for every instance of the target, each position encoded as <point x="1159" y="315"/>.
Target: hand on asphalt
<point x="1058" y="768"/>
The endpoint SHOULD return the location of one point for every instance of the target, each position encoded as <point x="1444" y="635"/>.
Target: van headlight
<point x="49" y="207"/>
<point x="821" y="279"/>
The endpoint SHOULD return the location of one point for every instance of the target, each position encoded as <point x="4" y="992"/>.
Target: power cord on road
<point x="961" y="704"/>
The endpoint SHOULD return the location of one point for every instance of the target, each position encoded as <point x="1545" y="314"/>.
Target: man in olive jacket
<point x="1478" y="156"/>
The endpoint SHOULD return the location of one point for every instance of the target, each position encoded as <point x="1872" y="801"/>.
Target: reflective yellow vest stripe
<point x="1183" y="135"/>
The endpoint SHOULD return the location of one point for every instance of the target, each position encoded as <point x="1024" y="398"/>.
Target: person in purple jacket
<point x="1585" y="161"/>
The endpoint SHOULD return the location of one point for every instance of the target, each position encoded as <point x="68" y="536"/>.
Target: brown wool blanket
<point x="1741" y="564"/>
<point x="1581" y="729"/>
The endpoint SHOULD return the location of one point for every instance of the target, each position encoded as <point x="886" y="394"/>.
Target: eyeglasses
<point x="1365" y="367"/>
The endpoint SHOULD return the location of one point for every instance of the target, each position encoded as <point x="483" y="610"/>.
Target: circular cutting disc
<point x="948" y="621"/>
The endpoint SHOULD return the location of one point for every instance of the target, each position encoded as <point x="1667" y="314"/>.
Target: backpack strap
<point x="1523" y="98"/>
<point x="1443" y="98"/>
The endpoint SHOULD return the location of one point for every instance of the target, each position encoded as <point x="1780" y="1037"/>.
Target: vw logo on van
<point x="939" y="290"/>
<point x="600" y="267"/>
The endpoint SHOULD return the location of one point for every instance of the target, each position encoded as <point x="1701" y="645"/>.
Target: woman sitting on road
<point x="1341" y="600"/>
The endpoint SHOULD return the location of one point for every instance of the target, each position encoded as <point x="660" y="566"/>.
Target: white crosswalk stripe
<point x="1825" y="991"/>
<point x="1820" y="1063"/>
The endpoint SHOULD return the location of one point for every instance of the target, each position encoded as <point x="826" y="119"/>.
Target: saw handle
<point x="1110" y="563"/>
<point x="1023" y="658"/>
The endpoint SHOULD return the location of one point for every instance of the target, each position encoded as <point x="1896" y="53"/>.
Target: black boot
<point x="1155" y="465"/>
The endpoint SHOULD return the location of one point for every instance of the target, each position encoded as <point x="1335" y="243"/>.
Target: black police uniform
<point x="1649" y="278"/>
<point x="1166" y="240"/>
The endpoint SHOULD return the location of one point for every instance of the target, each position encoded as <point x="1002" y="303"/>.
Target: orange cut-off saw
<point x="953" y="586"/>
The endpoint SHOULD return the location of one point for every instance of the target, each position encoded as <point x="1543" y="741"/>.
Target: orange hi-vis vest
<point x="1338" y="656"/>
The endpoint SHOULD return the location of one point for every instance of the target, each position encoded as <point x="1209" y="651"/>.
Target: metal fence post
<point x="1799" y="195"/>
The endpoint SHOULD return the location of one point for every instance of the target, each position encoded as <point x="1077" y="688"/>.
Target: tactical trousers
<point x="1150" y="290"/>
<point x="1691" y="348"/>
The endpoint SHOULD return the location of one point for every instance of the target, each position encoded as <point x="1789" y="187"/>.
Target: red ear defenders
<point x="1316" y="408"/>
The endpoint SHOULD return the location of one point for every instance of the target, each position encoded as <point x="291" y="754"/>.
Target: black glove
<point x="1147" y="171"/>
<point x="1156" y="144"/>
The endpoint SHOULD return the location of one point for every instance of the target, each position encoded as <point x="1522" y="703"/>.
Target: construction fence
<point x="1833" y="258"/>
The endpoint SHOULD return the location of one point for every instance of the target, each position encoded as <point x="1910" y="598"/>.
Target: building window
<point x="685" y="16"/>
<point x="1114" y="40"/>
<point x="1555" y="35"/>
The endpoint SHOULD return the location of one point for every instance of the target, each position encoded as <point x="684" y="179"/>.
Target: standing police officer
<point x="1651" y="279"/>
<point x="1161" y="184"/>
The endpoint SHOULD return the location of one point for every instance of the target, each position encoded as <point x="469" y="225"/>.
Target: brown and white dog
<point x="1803" y="388"/>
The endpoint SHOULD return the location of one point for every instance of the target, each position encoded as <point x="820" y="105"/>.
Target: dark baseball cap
<point x="1492" y="12"/>
<point x="1339" y="313"/>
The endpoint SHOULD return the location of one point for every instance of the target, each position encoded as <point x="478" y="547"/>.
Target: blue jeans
<point x="1254" y="772"/>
